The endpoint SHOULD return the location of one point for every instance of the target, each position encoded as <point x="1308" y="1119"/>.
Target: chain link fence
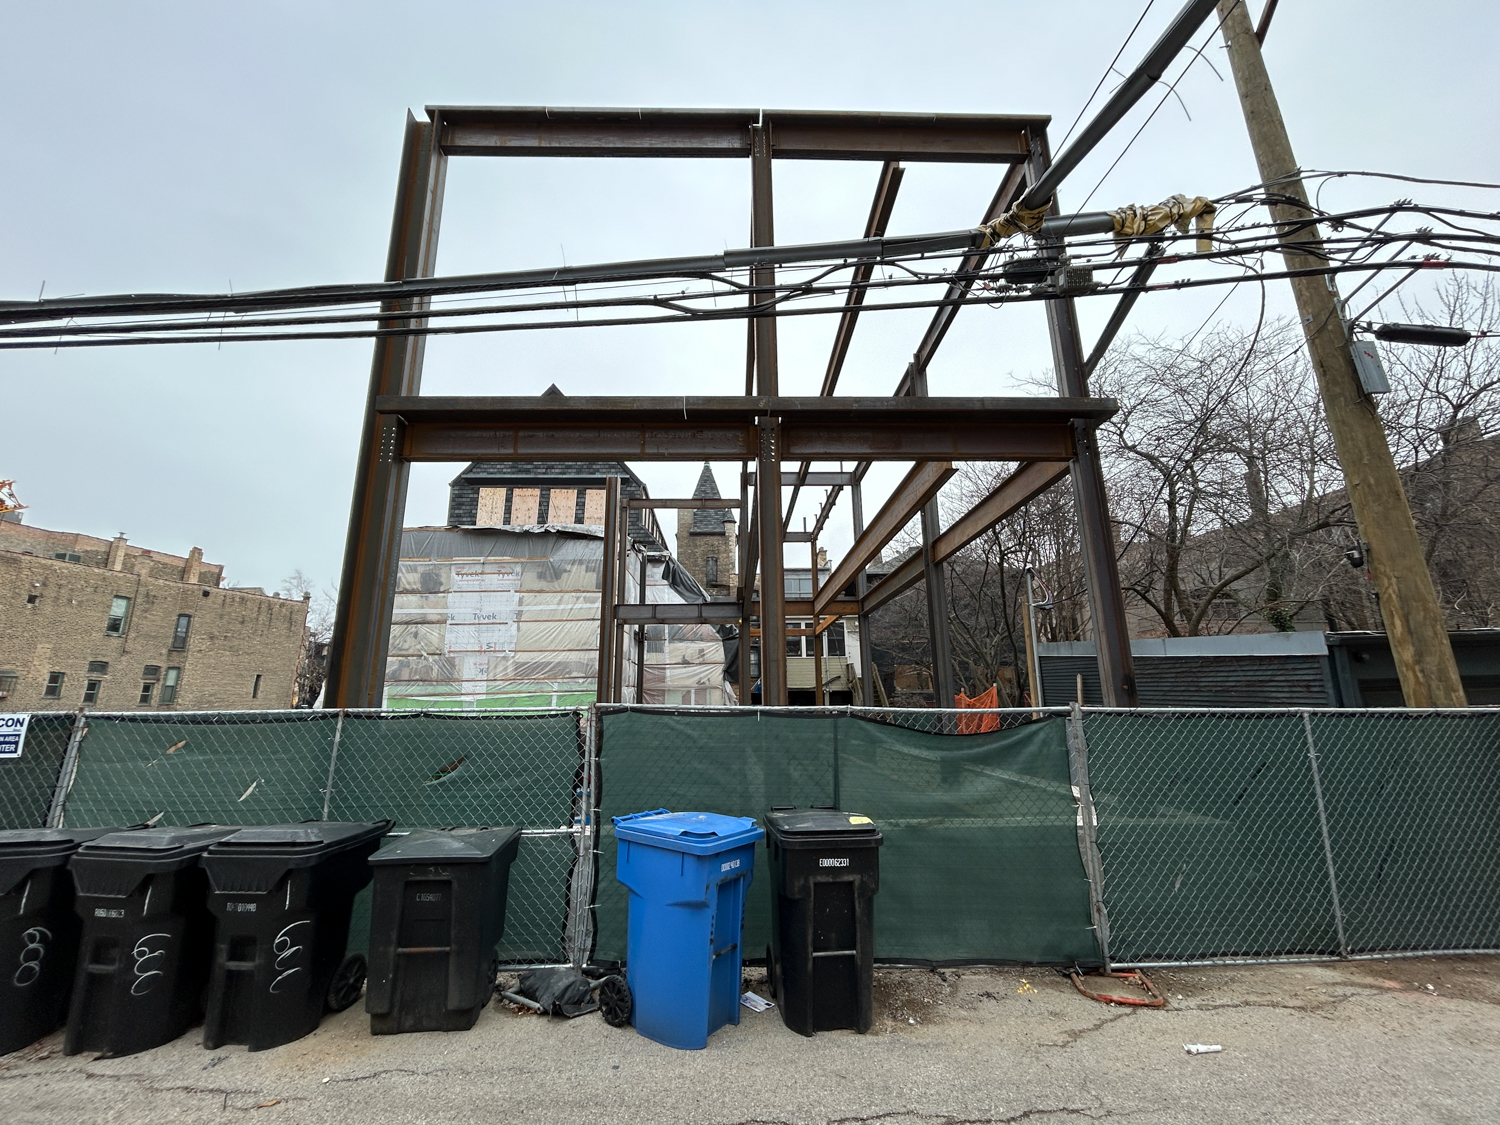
<point x="1138" y="838"/>
<point x="417" y="769"/>
<point x="1243" y="836"/>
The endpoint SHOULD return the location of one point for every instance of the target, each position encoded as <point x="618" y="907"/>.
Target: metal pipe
<point x="1141" y="79"/>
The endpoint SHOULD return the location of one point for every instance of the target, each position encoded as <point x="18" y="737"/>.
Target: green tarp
<point x="981" y="858"/>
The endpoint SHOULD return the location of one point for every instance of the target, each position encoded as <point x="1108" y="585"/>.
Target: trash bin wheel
<point x="347" y="983"/>
<point x="614" y="1001"/>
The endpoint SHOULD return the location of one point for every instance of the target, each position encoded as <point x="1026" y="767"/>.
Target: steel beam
<point x="800" y="135"/>
<point x="690" y="502"/>
<point x="1138" y="279"/>
<point x="920" y="485"/>
<point x="943" y="317"/>
<point x="675" y="613"/>
<point x="677" y="429"/>
<point x="372" y="552"/>
<point x="861" y="587"/>
<point x="1017" y="490"/>
<point x="814" y="479"/>
<point x="1146" y="74"/>
<point x="879" y="219"/>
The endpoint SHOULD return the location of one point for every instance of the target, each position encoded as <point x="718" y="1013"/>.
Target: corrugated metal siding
<point x="1198" y="681"/>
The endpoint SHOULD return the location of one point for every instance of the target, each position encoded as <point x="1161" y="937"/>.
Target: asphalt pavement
<point x="1399" y="1042"/>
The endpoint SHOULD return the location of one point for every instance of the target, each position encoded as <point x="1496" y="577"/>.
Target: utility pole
<point x="1408" y="601"/>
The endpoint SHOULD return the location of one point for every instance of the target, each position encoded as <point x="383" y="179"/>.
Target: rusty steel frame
<point x="761" y="430"/>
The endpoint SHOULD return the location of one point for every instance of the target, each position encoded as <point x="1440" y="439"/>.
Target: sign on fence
<point x="13" y="735"/>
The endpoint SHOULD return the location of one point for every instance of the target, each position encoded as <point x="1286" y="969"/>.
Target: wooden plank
<point x="562" y="506"/>
<point x="491" y="507"/>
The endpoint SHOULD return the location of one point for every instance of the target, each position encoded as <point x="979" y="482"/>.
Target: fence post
<point x="67" y="770"/>
<point x="1088" y="820"/>
<point x="578" y="934"/>
<point x="333" y="757"/>
<point x="1333" y="883"/>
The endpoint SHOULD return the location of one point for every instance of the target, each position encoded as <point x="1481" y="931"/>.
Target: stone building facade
<point x="101" y="624"/>
<point x="706" y="540"/>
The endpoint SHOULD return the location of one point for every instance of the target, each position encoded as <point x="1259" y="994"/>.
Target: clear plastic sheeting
<point x="509" y="618"/>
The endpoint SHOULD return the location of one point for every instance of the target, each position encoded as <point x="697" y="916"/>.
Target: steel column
<point x="608" y="592"/>
<point x="861" y="587"/>
<point x="1106" y="602"/>
<point x="362" y="627"/>
<point x="772" y="582"/>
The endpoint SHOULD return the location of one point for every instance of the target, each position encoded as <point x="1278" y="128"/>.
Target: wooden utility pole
<point x="1408" y="602"/>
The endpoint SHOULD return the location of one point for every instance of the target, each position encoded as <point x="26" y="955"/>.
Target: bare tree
<point x="312" y="665"/>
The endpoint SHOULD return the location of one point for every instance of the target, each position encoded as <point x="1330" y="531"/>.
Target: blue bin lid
<point x="697" y="833"/>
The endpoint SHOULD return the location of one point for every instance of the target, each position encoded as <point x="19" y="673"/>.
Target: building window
<point x="180" y="633"/>
<point x="151" y="672"/>
<point x="255" y="687"/>
<point x="656" y="638"/>
<point x="169" y="685"/>
<point x="53" y="689"/>
<point x="119" y="617"/>
<point x="98" y="667"/>
<point x="32" y="599"/>
<point x="146" y="689"/>
<point x="8" y="680"/>
<point x="834" y="645"/>
<point x="794" y="644"/>
<point x="711" y="570"/>
<point x="67" y="556"/>
<point x="755" y="660"/>
<point x="91" y="691"/>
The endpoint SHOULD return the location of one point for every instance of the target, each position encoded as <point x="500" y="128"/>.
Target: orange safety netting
<point x="977" y="724"/>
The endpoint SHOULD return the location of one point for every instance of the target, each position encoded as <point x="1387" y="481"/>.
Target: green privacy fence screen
<point x="1187" y="836"/>
<point x="981" y="858"/>
<point x="1258" y="835"/>
<point x="414" y="769"/>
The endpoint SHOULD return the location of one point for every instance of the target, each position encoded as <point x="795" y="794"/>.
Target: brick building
<point x="113" y="627"/>
<point x="706" y="540"/>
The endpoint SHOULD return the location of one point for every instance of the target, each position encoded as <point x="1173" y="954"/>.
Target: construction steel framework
<point x="775" y="438"/>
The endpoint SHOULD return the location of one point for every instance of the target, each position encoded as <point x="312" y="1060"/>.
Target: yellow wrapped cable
<point x="1134" y="220"/>
<point x="1017" y="220"/>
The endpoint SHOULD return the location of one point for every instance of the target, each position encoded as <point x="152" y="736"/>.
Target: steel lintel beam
<point x="678" y="429"/>
<point x="676" y="613"/>
<point x="677" y="133"/>
<point x="692" y="502"/>
<point x="1018" y="489"/>
<point x="919" y="486"/>
<point x="814" y="479"/>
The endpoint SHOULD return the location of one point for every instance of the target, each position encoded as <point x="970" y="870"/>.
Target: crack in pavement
<point x="1091" y="1113"/>
<point x="1074" y="1034"/>
<point x="381" y="1073"/>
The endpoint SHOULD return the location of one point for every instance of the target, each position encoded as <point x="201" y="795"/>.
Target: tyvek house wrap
<point x="510" y="618"/>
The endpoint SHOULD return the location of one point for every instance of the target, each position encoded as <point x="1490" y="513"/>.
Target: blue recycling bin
<point x="687" y="874"/>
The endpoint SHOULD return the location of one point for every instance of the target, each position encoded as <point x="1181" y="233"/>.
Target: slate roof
<point x="709" y="521"/>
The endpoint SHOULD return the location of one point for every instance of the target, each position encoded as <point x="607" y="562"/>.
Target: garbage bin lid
<point x="296" y="839"/>
<point x="24" y="850"/>
<point x="157" y="840"/>
<point x="849" y="827"/>
<point x="436" y="846"/>
<point x="697" y="833"/>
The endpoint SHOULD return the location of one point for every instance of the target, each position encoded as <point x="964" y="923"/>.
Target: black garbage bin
<point x="38" y="930"/>
<point x="438" y="913"/>
<point x="147" y="938"/>
<point x="281" y="896"/>
<point x="825" y="870"/>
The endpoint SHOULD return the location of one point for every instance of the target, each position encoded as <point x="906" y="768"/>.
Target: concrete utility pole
<point x="1408" y="602"/>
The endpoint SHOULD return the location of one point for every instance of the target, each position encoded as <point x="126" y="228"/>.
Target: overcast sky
<point x="198" y="147"/>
